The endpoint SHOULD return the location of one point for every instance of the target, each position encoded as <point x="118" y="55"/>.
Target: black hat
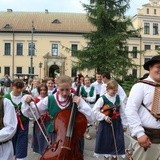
<point x="152" y="61"/>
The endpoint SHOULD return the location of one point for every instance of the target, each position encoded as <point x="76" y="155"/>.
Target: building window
<point x="147" y="10"/>
<point x="146" y="59"/>
<point x="7" y="49"/>
<point x="134" y="72"/>
<point x="155" y="28"/>
<point x="54" y="49"/>
<point x="146" y="28"/>
<point x="19" y="70"/>
<point x="74" y="48"/>
<point x="126" y="51"/>
<point x="74" y="72"/>
<point x="31" y="50"/>
<point x="134" y="51"/>
<point x="19" y="49"/>
<point x="29" y="70"/>
<point x="147" y="47"/>
<point x="6" y="70"/>
<point x="155" y="11"/>
<point x="157" y="47"/>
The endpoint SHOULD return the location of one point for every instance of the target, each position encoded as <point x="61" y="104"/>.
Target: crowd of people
<point x="102" y="104"/>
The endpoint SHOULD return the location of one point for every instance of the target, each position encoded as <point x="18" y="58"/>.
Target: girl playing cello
<point x="55" y="103"/>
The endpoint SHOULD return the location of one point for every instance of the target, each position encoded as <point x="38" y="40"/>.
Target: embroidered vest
<point x="110" y="104"/>
<point x="1" y="112"/>
<point x="84" y="93"/>
<point x="23" y="118"/>
<point x="53" y="109"/>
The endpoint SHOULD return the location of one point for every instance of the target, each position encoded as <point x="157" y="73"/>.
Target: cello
<point x="70" y="126"/>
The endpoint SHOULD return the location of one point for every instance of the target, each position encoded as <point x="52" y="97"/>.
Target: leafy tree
<point x="106" y="43"/>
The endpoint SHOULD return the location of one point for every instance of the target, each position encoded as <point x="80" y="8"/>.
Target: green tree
<point x="106" y="43"/>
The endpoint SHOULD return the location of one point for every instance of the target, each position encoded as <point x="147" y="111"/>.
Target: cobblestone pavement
<point x="88" y="151"/>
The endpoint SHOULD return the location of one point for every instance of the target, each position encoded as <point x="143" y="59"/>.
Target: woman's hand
<point x="29" y="98"/>
<point x="76" y="99"/>
<point x="108" y="119"/>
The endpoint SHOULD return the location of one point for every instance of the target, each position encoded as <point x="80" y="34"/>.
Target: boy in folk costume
<point x="8" y="126"/>
<point x="144" y="124"/>
<point x="61" y="100"/>
<point x="20" y="139"/>
<point x="112" y="123"/>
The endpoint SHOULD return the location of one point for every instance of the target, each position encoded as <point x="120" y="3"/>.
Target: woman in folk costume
<point x="88" y="93"/>
<point x="109" y="111"/>
<point x="8" y="126"/>
<point x="62" y="99"/>
<point x="39" y="142"/>
<point x="20" y="139"/>
<point x="51" y="86"/>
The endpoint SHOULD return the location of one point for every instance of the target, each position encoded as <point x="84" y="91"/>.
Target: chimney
<point x="46" y="11"/>
<point x="9" y="10"/>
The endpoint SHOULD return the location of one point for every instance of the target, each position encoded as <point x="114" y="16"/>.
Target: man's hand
<point x="144" y="141"/>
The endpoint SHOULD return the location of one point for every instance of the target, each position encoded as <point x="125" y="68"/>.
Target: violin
<point x="106" y="109"/>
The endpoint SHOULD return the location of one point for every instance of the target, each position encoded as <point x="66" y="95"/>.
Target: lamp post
<point x="40" y="66"/>
<point x="32" y="49"/>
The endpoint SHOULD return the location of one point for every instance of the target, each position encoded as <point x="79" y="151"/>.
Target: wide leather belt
<point x="4" y="142"/>
<point x="153" y="134"/>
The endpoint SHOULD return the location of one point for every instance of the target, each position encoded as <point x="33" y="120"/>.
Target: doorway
<point x="53" y="71"/>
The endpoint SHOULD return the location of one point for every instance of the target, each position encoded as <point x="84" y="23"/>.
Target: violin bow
<point x="114" y="139"/>
<point x="46" y="138"/>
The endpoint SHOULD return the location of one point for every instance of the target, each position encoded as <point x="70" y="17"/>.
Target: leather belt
<point x="153" y="134"/>
<point x="4" y="142"/>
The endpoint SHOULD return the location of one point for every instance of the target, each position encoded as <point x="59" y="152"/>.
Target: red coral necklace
<point x="65" y="102"/>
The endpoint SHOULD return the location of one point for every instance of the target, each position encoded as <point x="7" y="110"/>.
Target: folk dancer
<point x="20" y="139"/>
<point x="8" y="126"/>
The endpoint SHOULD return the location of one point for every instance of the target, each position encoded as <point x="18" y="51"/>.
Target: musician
<point x="110" y="137"/>
<point x="55" y="103"/>
<point x="144" y="127"/>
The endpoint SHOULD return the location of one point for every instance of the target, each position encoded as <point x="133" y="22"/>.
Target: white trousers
<point x="152" y="153"/>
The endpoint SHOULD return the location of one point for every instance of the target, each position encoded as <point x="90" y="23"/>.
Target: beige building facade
<point x="43" y="43"/>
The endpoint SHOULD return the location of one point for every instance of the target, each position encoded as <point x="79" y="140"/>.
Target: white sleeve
<point x="9" y="121"/>
<point x="96" y="109"/>
<point x="122" y="94"/>
<point x="26" y="108"/>
<point x="84" y="108"/>
<point x="133" y="104"/>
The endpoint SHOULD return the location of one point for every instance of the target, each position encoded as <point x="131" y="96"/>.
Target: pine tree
<point x="106" y="43"/>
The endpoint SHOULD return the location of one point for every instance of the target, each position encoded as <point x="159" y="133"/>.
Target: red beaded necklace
<point x="65" y="102"/>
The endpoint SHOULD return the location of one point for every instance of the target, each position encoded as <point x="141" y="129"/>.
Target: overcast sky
<point x="58" y="5"/>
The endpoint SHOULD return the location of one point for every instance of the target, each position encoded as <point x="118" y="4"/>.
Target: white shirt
<point x="8" y="131"/>
<point x="138" y="116"/>
<point x="97" y="86"/>
<point x="42" y="105"/>
<point x="101" y="116"/>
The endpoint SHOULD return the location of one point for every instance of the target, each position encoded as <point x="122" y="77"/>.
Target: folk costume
<point x="7" y="131"/>
<point x="54" y="104"/>
<point x="141" y="120"/>
<point x="105" y="145"/>
<point x="20" y="139"/>
<point x="39" y="142"/>
<point x="88" y="94"/>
